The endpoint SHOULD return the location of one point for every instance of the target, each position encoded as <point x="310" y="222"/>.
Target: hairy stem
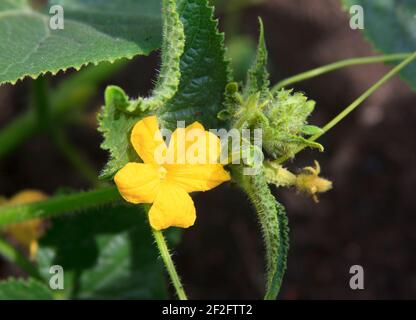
<point x="274" y="225"/>
<point x="173" y="45"/>
<point x="344" y="113"/>
<point x="58" y="205"/>
<point x="167" y="259"/>
<point x="338" y="65"/>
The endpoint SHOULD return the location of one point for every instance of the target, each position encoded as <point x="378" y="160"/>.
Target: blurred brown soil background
<point x="367" y="219"/>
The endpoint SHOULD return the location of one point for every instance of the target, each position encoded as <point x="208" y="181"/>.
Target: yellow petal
<point x="27" y="196"/>
<point x="147" y="140"/>
<point x="138" y="182"/>
<point x="27" y="233"/>
<point x="197" y="177"/>
<point x="173" y="207"/>
<point x="33" y="249"/>
<point x="203" y="147"/>
<point x="213" y="144"/>
<point x="178" y="143"/>
<point x="180" y="133"/>
<point x="193" y="145"/>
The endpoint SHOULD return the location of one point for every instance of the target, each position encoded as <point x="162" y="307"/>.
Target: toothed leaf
<point x="94" y="31"/>
<point x="169" y="76"/>
<point x="119" y="114"/>
<point x="203" y="76"/>
<point x="258" y="76"/>
<point x="204" y="70"/>
<point x="274" y="225"/>
<point x="115" y="127"/>
<point x="390" y="25"/>
<point x="19" y="289"/>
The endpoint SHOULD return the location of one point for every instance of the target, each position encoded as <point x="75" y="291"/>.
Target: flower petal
<point x="173" y="207"/>
<point x="28" y="232"/>
<point x="180" y="133"/>
<point x="147" y="140"/>
<point x="197" y="177"/>
<point x="178" y="143"/>
<point x="138" y="182"/>
<point x="195" y="165"/>
<point x="193" y="145"/>
<point x="27" y="196"/>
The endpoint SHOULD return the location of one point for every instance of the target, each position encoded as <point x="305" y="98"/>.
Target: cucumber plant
<point x="102" y="237"/>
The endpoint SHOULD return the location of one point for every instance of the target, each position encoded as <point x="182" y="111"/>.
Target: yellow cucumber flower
<point x="169" y="173"/>
<point x="27" y="233"/>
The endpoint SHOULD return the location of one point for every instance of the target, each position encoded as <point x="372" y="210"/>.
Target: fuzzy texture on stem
<point x="274" y="225"/>
<point x="344" y="113"/>
<point x="58" y="205"/>
<point x="170" y="267"/>
<point x="338" y="65"/>
<point x="173" y="46"/>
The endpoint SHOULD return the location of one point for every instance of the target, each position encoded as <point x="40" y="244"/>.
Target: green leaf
<point x="119" y="114"/>
<point x="18" y="289"/>
<point x="94" y="31"/>
<point x="258" y="76"/>
<point x="204" y="70"/>
<point x="390" y="26"/>
<point x="279" y="256"/>
<point x="115" y="127"/>
<point x="311" y="130"/>
<point x="68" y="98"/>
<point x="274" y="224"/>
<point x="106" y="253"/>
<point x="203" y="76"/>
<point x="169" y="76"/>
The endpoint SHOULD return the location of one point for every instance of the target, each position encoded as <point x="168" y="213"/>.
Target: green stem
<point x="77" y="160"/>
<point x="338" y="65"/>
<point x="44" y="113"/>
<point x="42" y="103"/>
<point x="70" y="95"/>
<point x="167" y="259"/>
<point x="17" y="132"/>
<point x="274" y="225"/>
<point x="14" y="256"/>
<point x="58" y="205"/>
<point x="358" y="101"/>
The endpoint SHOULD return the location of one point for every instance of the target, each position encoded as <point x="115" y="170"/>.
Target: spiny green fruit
<point x="287" y="112"/>
<point x="281" y="116"/>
